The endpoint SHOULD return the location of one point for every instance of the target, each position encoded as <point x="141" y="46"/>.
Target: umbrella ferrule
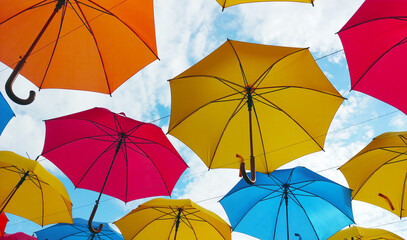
<point x="249" y="98"/>
<point x="22" y="179"/>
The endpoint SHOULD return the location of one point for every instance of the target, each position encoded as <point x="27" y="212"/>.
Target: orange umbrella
<point x="91" y="45"/>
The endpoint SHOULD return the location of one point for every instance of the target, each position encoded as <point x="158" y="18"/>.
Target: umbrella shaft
<point x="286" y="210"/>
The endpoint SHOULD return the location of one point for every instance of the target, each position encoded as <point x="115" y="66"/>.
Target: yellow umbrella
<point x="228" y="3"/>
<point x="359" y="233"/>
<point x="253" y="100"/>
<point x="378" y="173"/>
<point x="163" y="219"/>
<point x="31" y="192"/>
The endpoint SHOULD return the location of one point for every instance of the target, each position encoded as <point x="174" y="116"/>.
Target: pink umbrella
<point x="3" y="223"/>
<point x="112" y="154"/>
<point x="17" y="236"/>
<point x="374" y="40"/>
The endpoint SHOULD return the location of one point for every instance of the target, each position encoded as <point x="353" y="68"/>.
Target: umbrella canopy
<point x="78" y="230"/>
<point x="175" y="219"/>
<point x="288" y="204"/>
<point x="359" y="233"/>
<point x="6" y="113"/>
<point x="31" y="192"/>
<point x="259" y="101"/>
<point x="82" y="45"/>
<point x="3" y="223"/>
<point x="373" y="40"/>
<point x="377" y="174"/>
<point x="112" y="154"/>
<point x="228" y="3"/>
<point x="17" y="236"/>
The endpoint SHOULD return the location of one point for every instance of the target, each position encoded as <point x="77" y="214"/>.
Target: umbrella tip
<point x="122" y="113"/>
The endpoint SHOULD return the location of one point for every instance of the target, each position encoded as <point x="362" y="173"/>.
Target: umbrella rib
<point x="55" y="46"/>
<point x="95" y="8"/>
<point x="98" y="50"/>
<point x="158" y="170"/>
<point x="190" y="224"/>
<point x="108" y="11"/>
<point x="80" y="16"/>
<point x="403" y="139"/>
<point x="237" y="109"/>
<point x="297" y="123"/>
<point x="292" y="196"/>
<point x="378" y="59"/>
<point x="228" y="83"/>
<point x="79" y="139"/>
<point x="39" y="4"/>
<point x="93" y="163"/>
<point x="245" y="82"/>
<point x="146" y="225"/>
<point x="377" y="169"/>
<point x="204" y="105"/>
<point x="400" y="18"/>
<point x="261" y="139"/>
<point x="402" y="196"/>
<point x="263" y="76"/>
<point x="280" y="88"/>
<point x="277" y="217"/>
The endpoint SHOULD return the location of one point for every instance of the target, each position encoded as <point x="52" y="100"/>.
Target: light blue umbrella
<point x="5" y="113"/>
<point x="77" y="231"/>
<point x="289" y="204"/>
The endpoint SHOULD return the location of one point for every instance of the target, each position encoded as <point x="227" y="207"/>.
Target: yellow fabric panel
<point x="294" y="105"/>
<point x="228" y="3"/>
<point x="364" y="234"/>
<point x="160" y="213"/>
<point x="41" y="198"/>
<point x="380" y="168"/>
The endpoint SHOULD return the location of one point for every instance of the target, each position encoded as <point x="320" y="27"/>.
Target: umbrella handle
<point x="9" y="85"/>
<point x="243" y="170"/>
<point x="90" y="224"/>
<point x="298" y="235"/>
<point x="388" y="200"/>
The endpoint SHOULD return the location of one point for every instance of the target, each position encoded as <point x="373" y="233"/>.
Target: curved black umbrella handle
<point x="298" y="235"/>
<point x="90" y="222"/>
<point x="243" y="170"/>
<point x="9" y="86"/>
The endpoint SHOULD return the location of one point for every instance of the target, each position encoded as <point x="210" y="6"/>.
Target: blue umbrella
<point x="289" y="204"/>
<point x="77" y="230"/>
<point x="5" y="113"/>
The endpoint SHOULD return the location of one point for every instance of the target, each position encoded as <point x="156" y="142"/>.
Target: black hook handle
<point x="243" y="173"/>
<point x="9" y="86"/>
<point x="90" y="222"/>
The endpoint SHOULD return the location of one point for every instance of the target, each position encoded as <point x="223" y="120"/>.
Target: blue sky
<point x="186" y="32"/>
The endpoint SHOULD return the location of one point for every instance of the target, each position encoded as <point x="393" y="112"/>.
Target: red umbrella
<point x="17" y="236"/>
<point x="374" y="40"/>
<point x="3" y="223"/>
<point x="112" y="154"/>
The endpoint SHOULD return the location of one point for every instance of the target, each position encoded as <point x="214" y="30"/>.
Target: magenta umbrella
<point x="374" y="40"/>
<point x="17" y="236"/>
<point x="112" y="154"/>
